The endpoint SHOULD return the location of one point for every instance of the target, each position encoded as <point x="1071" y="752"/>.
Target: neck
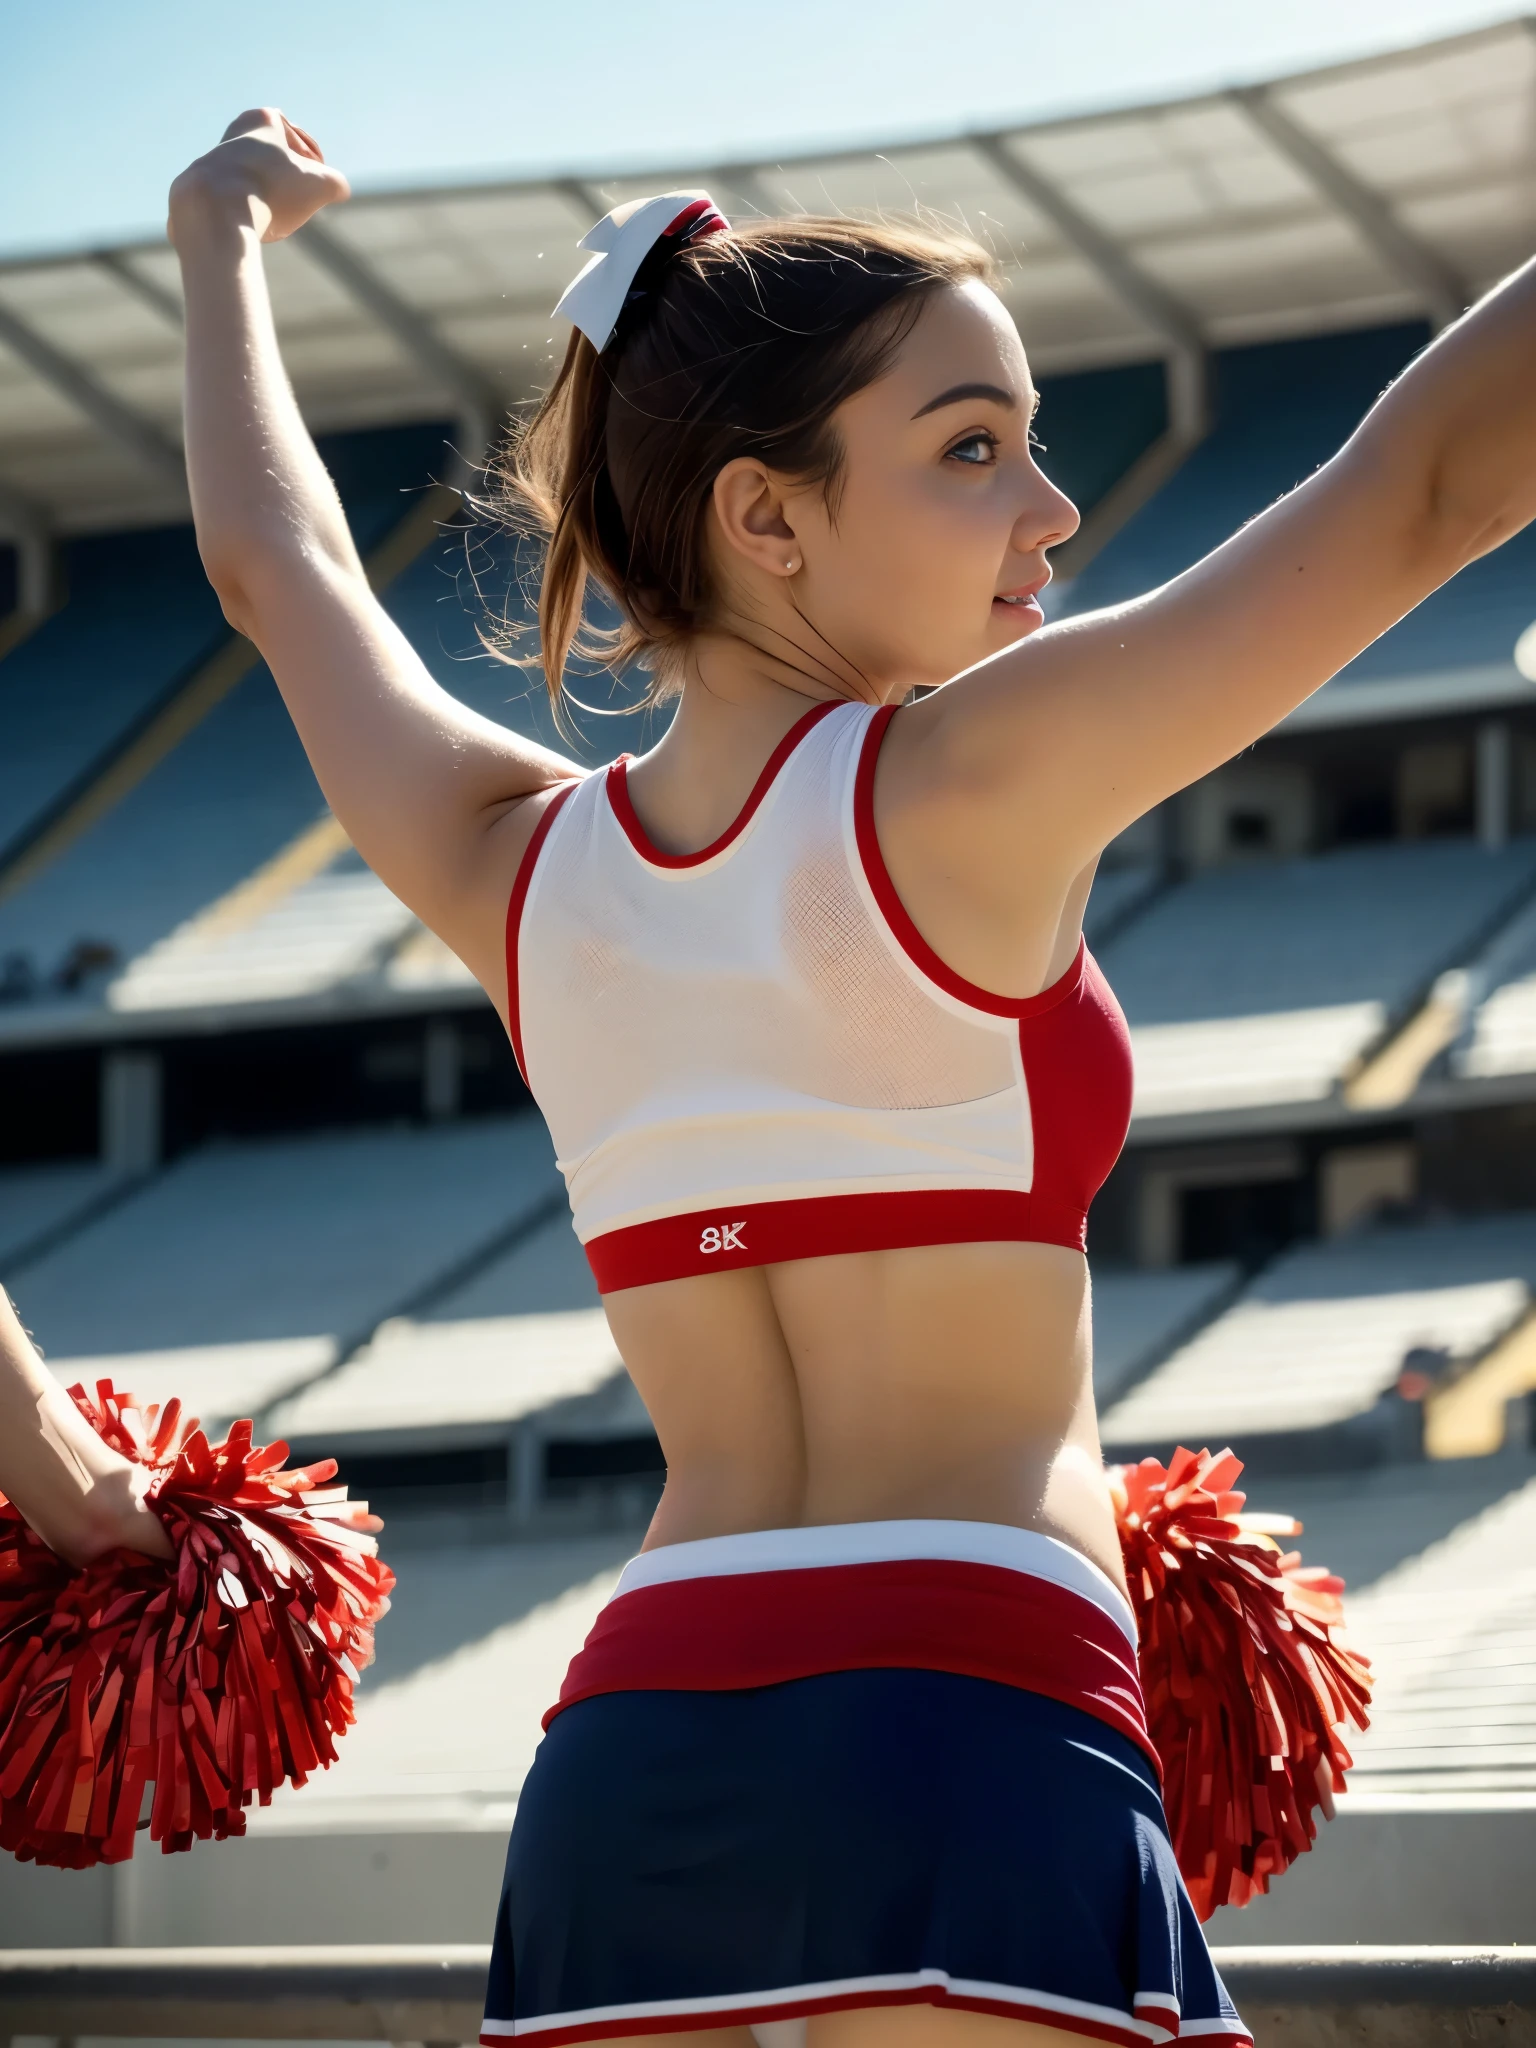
<point x="737" y="704"/>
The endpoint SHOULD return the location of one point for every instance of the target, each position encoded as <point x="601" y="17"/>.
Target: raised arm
<point x="1054" y="746"/>
<point x="82" y="1497"/>
<point x="428" y="792"/>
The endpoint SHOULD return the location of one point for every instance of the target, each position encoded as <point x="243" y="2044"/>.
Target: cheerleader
<point x="857" y="1752"/>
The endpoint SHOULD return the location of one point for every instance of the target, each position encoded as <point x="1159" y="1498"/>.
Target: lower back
<point x="948" y="1381"/>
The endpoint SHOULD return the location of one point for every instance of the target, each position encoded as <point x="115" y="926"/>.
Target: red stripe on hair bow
<point x="621" y="241"/>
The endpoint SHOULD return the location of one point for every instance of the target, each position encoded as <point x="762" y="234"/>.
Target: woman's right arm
<point x="82" y="1497"/>
<point x="429" y="793"/>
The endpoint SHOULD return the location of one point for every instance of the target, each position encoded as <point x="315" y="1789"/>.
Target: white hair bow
<point x="623" y="239"/>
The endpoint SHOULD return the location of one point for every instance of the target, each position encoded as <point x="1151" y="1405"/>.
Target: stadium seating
<point x="1500" y="994"/>
<point x="1452" y="1636"/>
<point x="1139" y="1317"/>
<point x="329" y="930"/>
<point x="1263" y="983"/>
<point x="138" y="612"/>
<point x="1320" y="1336"/>
<point x="244" y="1270"/>
<point x="477" y="1644"/>
<point x="38" y="1202"/>
<point x="1282" y="408"/>
<point x="524" y="1338"/>
<point x="234" y="795"/>
<point x="1092" y="425"/>
<point x="138" y="617"/>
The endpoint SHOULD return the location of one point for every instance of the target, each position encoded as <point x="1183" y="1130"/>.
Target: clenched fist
<point x="265" y="170"/>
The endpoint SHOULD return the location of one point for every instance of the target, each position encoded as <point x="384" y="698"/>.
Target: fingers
<point x="252" y="119"/>
<point x="300" y="141"/>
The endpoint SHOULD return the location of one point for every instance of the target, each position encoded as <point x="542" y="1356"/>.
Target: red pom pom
<point x="1248" y="1685"/>
<point x="218" y="1675"/>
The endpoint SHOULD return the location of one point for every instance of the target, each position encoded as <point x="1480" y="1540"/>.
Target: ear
<point x="751" y="512"/>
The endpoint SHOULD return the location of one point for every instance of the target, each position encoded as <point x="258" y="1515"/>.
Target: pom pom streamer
<point x="1248" y="1683"/>
<point x="213" y="1678"/>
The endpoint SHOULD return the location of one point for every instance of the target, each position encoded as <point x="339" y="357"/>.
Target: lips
<point x="1027" y="594"/>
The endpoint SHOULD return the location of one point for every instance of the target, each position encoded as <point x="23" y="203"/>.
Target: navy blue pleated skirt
<point x="687" y="1859"/>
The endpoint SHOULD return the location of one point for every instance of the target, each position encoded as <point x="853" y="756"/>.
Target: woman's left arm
<point x="1063" y="740"/>
<point x="430" y="794"/>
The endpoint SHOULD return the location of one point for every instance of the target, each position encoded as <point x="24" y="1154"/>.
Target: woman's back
<point x="834" y="1194"/>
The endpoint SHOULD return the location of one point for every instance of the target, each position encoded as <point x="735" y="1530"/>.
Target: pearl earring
<point x="790" y="566"/>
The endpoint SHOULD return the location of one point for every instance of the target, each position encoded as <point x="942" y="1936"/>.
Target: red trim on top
<point x="519" y="897"/>
<point x="640" y="839"/>
<point x="745" y="1629"/>
<point x="721" y="1239"/>
<point x="894" y="911"/>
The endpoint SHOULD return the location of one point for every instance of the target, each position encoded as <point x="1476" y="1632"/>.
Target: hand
<point x="266" y="170"/>
<point x="118" y="1517"/>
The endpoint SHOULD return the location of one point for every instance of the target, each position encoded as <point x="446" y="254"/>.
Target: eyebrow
<point x="958" y="393"/>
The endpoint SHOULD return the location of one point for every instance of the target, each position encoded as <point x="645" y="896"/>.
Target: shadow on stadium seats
<point x="448" y="1600"/>
<point x="1311" y="1368"/>
<point x="244" y="1270"/>
<point x="1365" y="1524"/>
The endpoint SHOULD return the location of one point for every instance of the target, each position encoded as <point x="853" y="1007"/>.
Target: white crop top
<point x="749" y="1054"/>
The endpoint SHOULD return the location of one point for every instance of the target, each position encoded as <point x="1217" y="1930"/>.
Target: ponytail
<point x="740" y="343"/>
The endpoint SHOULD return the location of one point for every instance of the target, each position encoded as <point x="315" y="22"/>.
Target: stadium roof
<point x="1397" y="185"/>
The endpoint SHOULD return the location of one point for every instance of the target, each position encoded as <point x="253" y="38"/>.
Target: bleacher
<point x="243" y="1271"/>
<point x="38" y="1202"/>
<point x="1317" y="1339"/>
<point x="1452" y="1636"/>
<point x="1498" y="995"/>
<point x="1281" y="409"/>
<point x="137" y="612"/>
<point x="1139" y="1317"/>
<point x="162" y="881"/>
<point x="1264" y="982"/>
<point x="517" y="1359"/>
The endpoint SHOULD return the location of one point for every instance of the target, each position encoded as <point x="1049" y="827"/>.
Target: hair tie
<point x="622" y="240"/>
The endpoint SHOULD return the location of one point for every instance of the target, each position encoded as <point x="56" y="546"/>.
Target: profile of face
<point x="932" y="551"/>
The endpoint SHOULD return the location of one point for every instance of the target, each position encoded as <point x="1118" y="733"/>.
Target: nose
<point x="1047" y="519"/>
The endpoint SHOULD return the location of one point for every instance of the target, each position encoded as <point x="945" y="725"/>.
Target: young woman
<point x="857" y="1747"/>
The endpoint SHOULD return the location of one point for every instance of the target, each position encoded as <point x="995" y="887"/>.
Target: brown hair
<point x="733" y="344"/>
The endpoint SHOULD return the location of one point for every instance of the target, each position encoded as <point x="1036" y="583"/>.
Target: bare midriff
<point x="942" y="1381"/>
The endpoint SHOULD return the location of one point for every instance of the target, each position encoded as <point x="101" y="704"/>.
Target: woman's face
<point x="933" y="552"/>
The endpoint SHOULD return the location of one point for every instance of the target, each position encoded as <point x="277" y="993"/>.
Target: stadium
<point x="265" y="1146"/>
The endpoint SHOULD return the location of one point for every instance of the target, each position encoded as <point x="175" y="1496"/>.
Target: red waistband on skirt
<point x="728" y="1632"/>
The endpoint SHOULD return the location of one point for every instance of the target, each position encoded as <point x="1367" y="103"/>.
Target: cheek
<point x="932" y="549"/>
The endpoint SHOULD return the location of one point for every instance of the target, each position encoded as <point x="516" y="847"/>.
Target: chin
<point x="1009" y="632"/>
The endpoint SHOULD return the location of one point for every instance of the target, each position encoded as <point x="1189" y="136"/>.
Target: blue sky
<point x="102" y="101"/>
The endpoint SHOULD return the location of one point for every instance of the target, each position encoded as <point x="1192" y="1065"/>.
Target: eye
<point x="977" y="449"/>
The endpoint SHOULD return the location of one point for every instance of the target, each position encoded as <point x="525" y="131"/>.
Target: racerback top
<point x="750" y="1054"/>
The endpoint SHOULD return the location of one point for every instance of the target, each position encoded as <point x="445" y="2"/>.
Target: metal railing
<point x="1291" y="1997"/>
